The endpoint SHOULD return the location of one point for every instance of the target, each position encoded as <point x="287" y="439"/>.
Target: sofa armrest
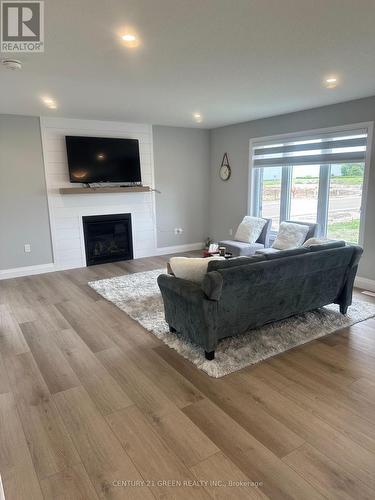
<point x="357" y="254"/>
<point x="264" y="237"/>
<point x="345" y="296"/>
<point x="212" y="285"/>
<point x="188" y="311"/>
<point x="189" y="290"/>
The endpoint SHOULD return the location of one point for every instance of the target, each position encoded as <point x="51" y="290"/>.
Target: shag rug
<point x="139" y="296"/>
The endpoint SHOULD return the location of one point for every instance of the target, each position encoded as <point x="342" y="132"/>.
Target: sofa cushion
<point x="250" y="228"/>
<point x="267" y="251"/>
<point x="191" y="268"/>
<point x="215" y="265"/>
<point x="290" y="235"/>
<point x="315" y="241"/>
<point x="328" y="245"/>
<point x="239" y="248"/>
<point x="287" y="253"/>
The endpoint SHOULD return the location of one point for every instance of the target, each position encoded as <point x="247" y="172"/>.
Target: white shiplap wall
<point x="66" y="211"/>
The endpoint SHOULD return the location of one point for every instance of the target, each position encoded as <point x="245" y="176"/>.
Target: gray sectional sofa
<point x="247" y="292"/>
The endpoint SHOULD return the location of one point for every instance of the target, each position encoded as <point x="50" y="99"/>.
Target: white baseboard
<point x="49" y="268"/>
<point x="365" y="283"/>
<point x="26" y="271"/>
<point x="179" y="248"/>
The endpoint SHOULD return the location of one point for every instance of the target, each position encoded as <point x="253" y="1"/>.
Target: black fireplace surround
<point x="108" y="238"/>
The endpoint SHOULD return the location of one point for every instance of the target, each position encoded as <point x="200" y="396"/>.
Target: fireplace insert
<point x="108" y="238"/>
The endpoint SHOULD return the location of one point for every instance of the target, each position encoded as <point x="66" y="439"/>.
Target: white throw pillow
<point x="249" y="230"/>
<point x="191" y="268"/>
<point x="315" y="241"/>
<point x="290" y="235"/>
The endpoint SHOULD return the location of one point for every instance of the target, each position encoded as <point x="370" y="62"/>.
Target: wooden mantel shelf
<point x="115" y="189"/>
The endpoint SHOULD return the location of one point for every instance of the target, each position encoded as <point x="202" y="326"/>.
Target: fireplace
<point x="108" y="238"/>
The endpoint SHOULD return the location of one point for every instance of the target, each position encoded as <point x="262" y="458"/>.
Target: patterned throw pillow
<point x="249" y="230"/>
<point x="290" y="235"/>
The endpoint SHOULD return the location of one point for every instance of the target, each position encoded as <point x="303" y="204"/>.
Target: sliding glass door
<point x="345" y="201"/>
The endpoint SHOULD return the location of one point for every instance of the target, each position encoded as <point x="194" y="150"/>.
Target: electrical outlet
<point x="178" y="230"/>
<point x="27" y="247"/>
<point x="230" y="232"/>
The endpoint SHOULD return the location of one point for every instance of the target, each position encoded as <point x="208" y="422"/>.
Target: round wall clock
<point x="225" y="170"/>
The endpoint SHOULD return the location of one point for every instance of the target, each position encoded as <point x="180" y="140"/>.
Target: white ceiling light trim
<point x="198" y="117"/>
<point x="49" y="102"/>
<point x="331" y="82"/>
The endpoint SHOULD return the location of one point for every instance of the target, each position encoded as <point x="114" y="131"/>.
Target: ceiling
<point x="230" y="60"/>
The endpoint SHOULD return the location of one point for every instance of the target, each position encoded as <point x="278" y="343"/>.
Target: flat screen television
<point x="102" y="159"/>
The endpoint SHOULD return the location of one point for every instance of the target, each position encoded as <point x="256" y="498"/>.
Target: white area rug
<point x="139" y="296"/>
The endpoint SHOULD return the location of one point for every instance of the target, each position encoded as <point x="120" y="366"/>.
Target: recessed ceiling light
<point x="197" y="117"/>
<point x="49" y="102"/>
<point x="331" y="82"/>
<point x="129" y="38"/>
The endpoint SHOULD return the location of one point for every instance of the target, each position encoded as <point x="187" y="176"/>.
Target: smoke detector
<point x="12" y="64"/>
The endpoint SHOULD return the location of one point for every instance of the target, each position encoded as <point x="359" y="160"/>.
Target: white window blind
<point x="349" y="147"/>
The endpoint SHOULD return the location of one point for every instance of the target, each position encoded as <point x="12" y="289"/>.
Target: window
<point x="270" y="194"/>
<point x="316" y="178"/>
<point x="345" y="199"/>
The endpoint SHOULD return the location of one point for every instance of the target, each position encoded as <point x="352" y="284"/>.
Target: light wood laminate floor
<point x="92" y="406"/>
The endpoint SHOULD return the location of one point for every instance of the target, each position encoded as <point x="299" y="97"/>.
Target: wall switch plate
<point x="230" y="232"/>
<point x="27" y="248"/>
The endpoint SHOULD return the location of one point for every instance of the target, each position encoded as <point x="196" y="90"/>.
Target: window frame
<point x="324" y="180"/>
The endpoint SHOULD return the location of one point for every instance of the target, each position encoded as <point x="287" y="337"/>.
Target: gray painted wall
<point x="23" y="200"/>
<point x="228" y="200"/>
<point x="181" y="157"/>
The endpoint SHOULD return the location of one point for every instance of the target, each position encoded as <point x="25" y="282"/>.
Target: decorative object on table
<point x="213" y="249"/>
<point x="207" y="242"/>
<point x="222" y="251"/>
<point x="131" y="292"/>
<point x="227" y="255"/>
<point x="225" y="170"/>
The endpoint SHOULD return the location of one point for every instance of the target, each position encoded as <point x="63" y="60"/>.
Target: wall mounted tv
<point x="101" y="159"/>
